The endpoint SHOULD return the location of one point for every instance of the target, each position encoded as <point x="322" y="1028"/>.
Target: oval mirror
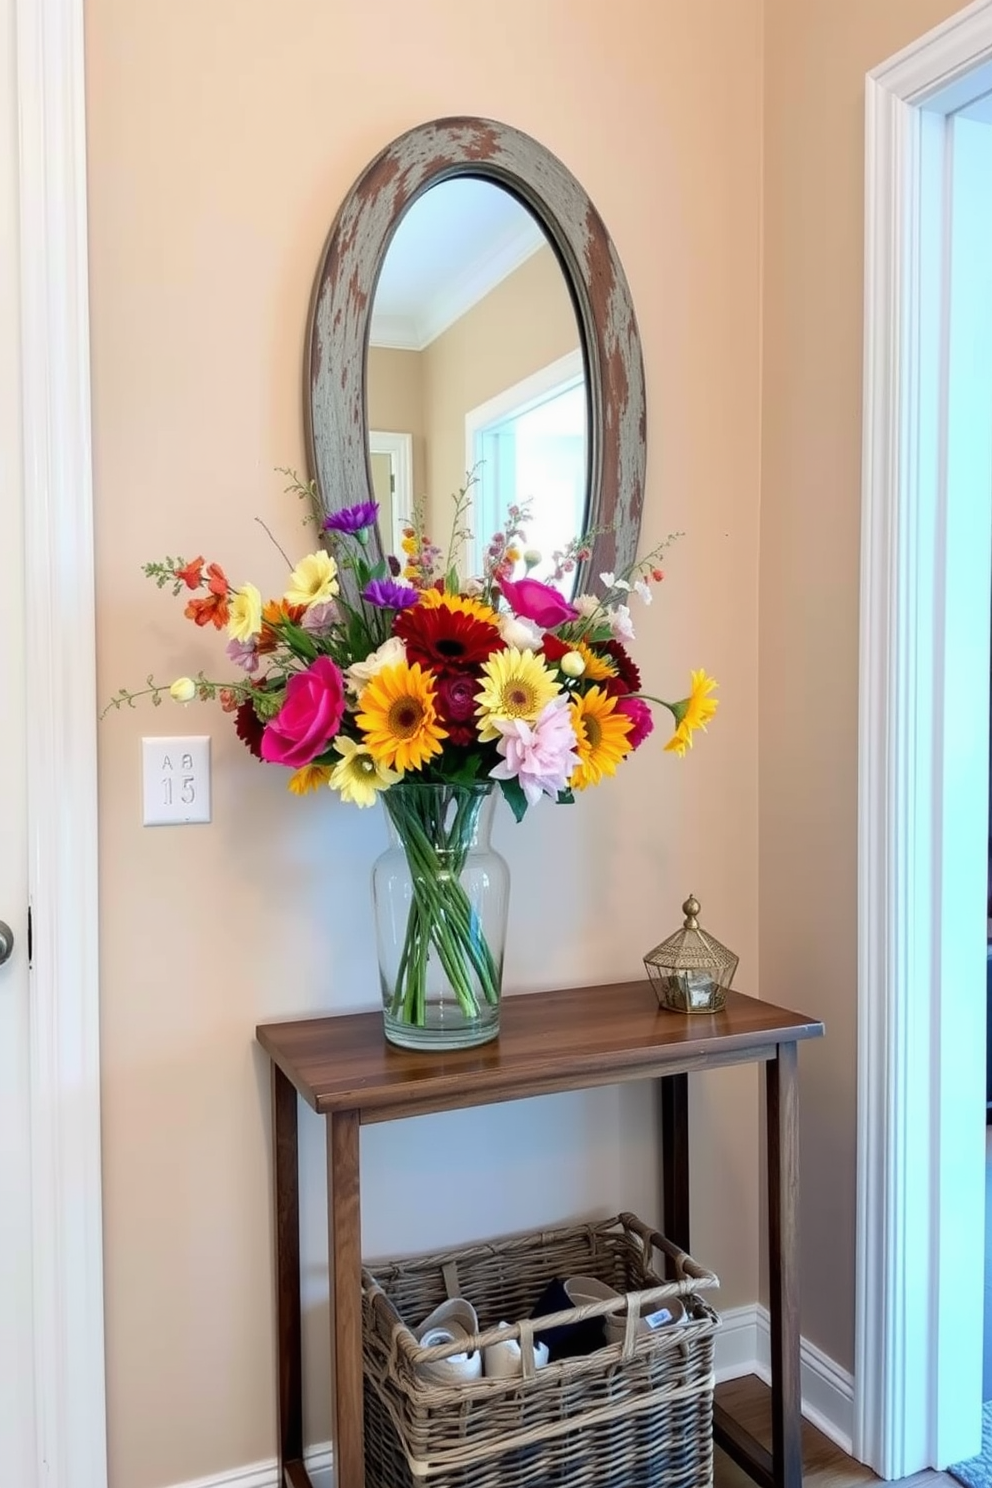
<point x="475" y="364"/>
<point x="598" y="413"/>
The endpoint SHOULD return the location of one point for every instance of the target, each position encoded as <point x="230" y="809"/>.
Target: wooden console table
<point x="549" y="1042"/>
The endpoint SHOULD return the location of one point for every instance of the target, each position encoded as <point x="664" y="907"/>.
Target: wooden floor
<point x="824" y="1465"/>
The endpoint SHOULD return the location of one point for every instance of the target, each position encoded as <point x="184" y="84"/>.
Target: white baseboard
<point x="743" y="1346"/>
<point x="266" y="1474"/>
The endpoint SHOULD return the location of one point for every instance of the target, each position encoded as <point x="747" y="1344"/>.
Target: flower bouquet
<point x="404" y="681"/>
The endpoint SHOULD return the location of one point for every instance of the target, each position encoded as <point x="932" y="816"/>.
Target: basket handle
<point x="691" y="1274"/>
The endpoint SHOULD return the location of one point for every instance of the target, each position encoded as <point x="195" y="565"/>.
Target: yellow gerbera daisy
<point x="359" y="777"/>
<point x="515" y="684"/>
<point x="602" y="737"/>
<point x="309" y="778"/>
<point x="432" y="599"/>
<point x="246" y="614"/>
<point x="398" y="717"/>
<point x="692" y="712"/>
<point x="314" y="580"/>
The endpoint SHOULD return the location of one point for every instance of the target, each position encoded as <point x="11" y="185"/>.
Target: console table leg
<point x="675" y="1158"/>
<point x="344" y="1243"/>
<point x="287" y="1238"/>
<point x="782" y="1092"/>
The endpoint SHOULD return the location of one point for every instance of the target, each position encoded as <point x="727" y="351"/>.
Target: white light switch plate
<point x="176" y="780"/>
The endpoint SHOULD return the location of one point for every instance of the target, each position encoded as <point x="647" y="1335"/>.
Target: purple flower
<point x="352" y="519"/>
<point x="389" y="595"/>
<point x="320" y="618"/>
<point x="243" y="654"/>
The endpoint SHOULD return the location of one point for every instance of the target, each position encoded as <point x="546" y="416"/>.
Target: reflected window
<point x="530" y="444"/>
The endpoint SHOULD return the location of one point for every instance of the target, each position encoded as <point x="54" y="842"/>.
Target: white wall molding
<point x="743" y="1346"/>
<point x="916" y="925"/>
<point x="62" y="773"/>
<point x="318" y="1460"/>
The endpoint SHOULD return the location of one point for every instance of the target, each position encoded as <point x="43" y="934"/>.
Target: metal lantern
<point x="691" y="971"/>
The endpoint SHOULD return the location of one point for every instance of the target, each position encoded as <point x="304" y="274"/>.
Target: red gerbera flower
<point x="446" y="640"/>
<point x="628" y="677"/>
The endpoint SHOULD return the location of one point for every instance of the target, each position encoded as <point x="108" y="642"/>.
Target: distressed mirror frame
<point x="337" y="340"/>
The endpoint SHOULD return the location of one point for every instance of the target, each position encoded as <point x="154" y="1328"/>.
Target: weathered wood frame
<point x="341" y="309"/>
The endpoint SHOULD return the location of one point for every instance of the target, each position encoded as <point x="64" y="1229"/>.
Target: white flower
<point x="573" y="664"/>
<point x="362" y="672"/>
<point x="612" y="582"/>
<point x="473" y="588"/>
<point x="621" y="625"/>
<point x="586" y="604"/>
<point x="516" y="631"/>
<point x="183" y="689"/>
<point x="643" y="590"/>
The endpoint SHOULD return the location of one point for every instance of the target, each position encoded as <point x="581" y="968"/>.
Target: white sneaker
<point x="505" y="1360"/>
<point x="584" y="1289"/>
<point x="453" y="1320"/>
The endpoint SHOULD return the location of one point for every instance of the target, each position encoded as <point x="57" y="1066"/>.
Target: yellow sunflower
<point x="515" y="684"/>
<point x="598" y="668"/>
<point x="309" y="778"/>
<point x="398" y="717"/>
<point x="464" y="604"/>
<point x="358" y="776"/>
<point x="692" y="712"/>
<point x="314" y="580"/>
<point x="602" y="737"/>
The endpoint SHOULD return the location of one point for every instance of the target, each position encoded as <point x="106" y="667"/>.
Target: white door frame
<point x="923" y="783"/>
<point x="62" y="764"/>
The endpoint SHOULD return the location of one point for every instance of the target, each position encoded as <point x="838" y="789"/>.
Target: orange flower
<point x="215" y="610"/>
<point x="192" y="574"/>
<point x="276" y="612"/>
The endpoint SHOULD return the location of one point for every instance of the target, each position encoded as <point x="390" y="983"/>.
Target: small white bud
<point x="573" y="664"/>
<point x="183" y="689"/>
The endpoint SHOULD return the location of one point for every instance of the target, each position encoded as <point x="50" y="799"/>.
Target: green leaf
<point x="451" y="582"/>
<point x="515" y="798"/>
<point x="566" y="797"/>
<point x="461" y="770"/>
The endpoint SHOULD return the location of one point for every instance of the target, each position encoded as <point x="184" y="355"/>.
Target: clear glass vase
<point x="440" y="894"/>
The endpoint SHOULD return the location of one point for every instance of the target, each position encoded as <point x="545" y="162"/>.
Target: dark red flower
<point x="455" y="703"/>
<point x="628" y="677"/>
<point x="446" y="640"/>
<point x="249" y="728"/>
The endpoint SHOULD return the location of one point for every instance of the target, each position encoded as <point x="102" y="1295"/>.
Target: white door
<point x="17" y="1424"/>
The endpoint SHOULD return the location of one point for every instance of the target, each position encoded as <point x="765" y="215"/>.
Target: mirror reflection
<point x="475" y="363"/>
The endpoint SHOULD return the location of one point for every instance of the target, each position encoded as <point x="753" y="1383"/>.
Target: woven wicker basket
<point x="636" y="1414"/>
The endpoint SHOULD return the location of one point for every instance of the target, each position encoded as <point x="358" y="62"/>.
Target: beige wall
<point x="221" y="139"/>
<point x="395" y="393"/>
<point x="522" y="325"/>
<point x="816" y="55"/>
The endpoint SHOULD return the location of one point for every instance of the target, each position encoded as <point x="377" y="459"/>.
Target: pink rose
<point x="637" y="710"/>
<point x="308" y="719"/>
<point x="535" y="601"/>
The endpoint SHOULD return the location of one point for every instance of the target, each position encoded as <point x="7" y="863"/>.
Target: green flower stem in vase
<point x="440" y="895"/>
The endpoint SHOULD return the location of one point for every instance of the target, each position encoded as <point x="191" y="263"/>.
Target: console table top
<point x="548" y="1041"/>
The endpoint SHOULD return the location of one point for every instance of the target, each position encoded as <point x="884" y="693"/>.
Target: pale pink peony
<point x="309" y="718"/>
<point x="540" y="756"/>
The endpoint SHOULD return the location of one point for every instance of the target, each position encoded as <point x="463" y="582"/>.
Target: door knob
<point x="6" y="942"/>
